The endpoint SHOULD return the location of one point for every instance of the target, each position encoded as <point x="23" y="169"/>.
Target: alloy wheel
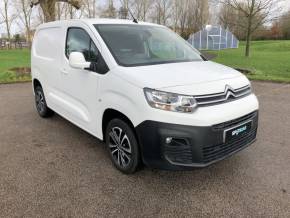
<point x="40" y="102"/>
<point x="120" y="147"/>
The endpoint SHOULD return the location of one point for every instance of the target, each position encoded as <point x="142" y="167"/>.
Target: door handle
<point x="63" y="71"/>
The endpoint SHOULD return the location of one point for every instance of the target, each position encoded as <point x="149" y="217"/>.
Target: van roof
<point x="94" y="21"/>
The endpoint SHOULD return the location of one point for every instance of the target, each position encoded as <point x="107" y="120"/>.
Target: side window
<point x="94" y="52"/>
<point x="79" y="41"/>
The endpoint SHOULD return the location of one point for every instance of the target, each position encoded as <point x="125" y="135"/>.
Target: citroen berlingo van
<point x="148" y="94"/>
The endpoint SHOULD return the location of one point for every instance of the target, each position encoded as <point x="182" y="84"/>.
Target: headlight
<point x="170" y="101"/>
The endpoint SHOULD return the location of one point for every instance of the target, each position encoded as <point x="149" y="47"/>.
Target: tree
<point x="146" y="5"/>
<point x="182" y="11"/>
<point x="284" y="22"/>
<point x="17" y="39"/>
<point x="254" y="13"/>
<point x="229" y="18"/>
<point x="24" y="11"/>
<point x="275" y="31"/>
<point x="124" y="9"/>
<point x="161" y="11"/>
<point x="48" y="7"/>
<point x="7" y="18"/>
<point x="90" y="8"/>
<point x="60" y="10"/>
<point x="137" y="8"/>
<point x="175" y="14"/>
<point x="110" y="11"/>
<point x="203" y="13"/>
<point x="198" y="15"/>
<point x="141" y="8"/>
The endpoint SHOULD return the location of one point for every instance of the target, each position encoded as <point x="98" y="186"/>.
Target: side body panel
<point x="46" y="59"/>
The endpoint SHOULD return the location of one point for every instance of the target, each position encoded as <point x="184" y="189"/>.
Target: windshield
<point x="137" y="45"/>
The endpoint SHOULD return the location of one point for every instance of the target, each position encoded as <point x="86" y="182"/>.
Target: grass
<point x="10" y="59"/>
<point x="269" y="60"/>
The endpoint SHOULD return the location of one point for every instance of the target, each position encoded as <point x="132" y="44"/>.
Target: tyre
<point x="122" y="146"/>
<point x="40" y="103"/>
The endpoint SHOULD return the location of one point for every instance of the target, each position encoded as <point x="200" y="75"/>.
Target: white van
<point x="144" y="91"/>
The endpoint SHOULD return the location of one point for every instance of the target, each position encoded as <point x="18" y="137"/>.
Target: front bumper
<point x="190" y="146"/>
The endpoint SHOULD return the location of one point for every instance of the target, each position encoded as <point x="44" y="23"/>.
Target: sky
<point x="285" y="5"/>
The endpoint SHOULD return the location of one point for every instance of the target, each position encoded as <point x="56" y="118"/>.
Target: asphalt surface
<point x="50" y="168"/>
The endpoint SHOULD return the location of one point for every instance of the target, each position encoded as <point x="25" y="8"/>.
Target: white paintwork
<point x="82" y="96"/>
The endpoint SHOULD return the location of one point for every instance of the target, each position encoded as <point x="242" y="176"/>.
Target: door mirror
<point x="78" y="61"/>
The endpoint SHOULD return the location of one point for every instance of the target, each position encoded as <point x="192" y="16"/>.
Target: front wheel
<point x="122" y="146"/>
<point x="40" y="103"/>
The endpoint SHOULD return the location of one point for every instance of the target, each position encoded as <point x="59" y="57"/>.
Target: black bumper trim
<point x="202" y="165"/>
<point x="201" y="146"/>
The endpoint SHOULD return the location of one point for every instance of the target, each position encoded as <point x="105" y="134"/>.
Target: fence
<point x="5" y="44"/>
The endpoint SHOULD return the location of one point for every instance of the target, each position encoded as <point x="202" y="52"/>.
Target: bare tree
<point x="234" y="20"/>
<point x="124" y="9"/>
<point x="140" y="8"/>
<point x="161" y="11"/>
<point x="60" y="10"/>
<point x="183" y="12"/>
<point x="254" y="13"/>
<point x="284" y="22"/>
<point x="189" y="16"/>
<point x="204" y="11"/>
<point x="48" y="7"/>
<point x="38" y="16"/>
<point x="214" y="9"/>
<point x="146" y="5"/>
<point x="24" y="11"/>
<point x="228" y="17"/>
<point x="90" y="7"/>
<point x="198" y="14"/>
<point x="7" y="18"/>
<point x="110" y="10"/>
<point x="70" y="12"/>
<point x="137" y="8"/>
<point x="175" y="14"/>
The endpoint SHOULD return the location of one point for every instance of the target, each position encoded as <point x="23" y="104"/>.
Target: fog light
<point x="168" y="140"/>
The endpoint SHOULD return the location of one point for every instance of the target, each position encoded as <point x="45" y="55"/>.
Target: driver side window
<point x="78" y="40"/>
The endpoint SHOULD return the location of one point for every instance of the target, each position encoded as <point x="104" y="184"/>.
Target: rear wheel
<point x="40" y="103"/>
<point x="122" y="146"/>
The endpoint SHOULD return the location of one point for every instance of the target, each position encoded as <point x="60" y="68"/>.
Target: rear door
<point x="80" y="87"/>
<point x="46" y="61"/>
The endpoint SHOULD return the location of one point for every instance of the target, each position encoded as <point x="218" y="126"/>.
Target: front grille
<point x="234" y="122"/>
<point x="216" y="152"/>
<point x="228" y="95"/>
<point x="179" y="151"/>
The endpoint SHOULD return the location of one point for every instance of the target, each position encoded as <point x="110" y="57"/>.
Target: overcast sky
<point x="285" y="4"/>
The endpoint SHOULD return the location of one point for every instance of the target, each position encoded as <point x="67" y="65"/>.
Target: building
<point x="213" y="38"/>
